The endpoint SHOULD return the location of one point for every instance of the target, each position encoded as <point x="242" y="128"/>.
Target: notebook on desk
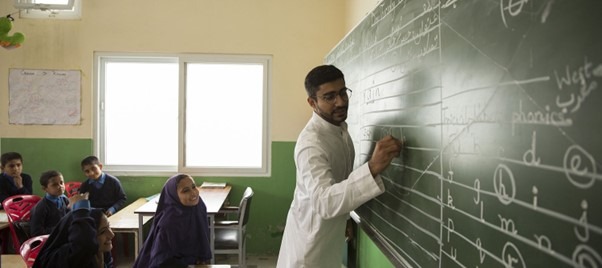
<point x="213" y="185"/>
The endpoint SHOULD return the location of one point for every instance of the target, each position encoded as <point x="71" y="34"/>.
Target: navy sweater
<point x="8" y="187"/>
<point x="110" y="195"/>
<point x="45" y="215"/>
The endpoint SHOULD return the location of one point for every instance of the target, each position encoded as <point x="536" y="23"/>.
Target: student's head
<point x="11" y="163"/>
<point x="327" y="93"/>
<point x="92" y="167"/>
<point x="52" y="182"/>
<point x="104" y="233"/>
<point x="187" y="191"/>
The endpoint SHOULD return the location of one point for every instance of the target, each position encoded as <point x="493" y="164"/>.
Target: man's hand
<point x="75" y="198"/>
<point x="386" y="149"/>
<point x="18" y="181"/>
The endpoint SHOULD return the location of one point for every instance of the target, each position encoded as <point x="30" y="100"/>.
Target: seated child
<point x="81" y="239"/>
<point x="179" y="235"/>
<point x="104" y="190"/>
<point x="12" y="181"/>
<point x="48" y="212"/>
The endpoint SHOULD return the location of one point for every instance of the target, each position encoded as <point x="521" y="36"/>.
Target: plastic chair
<point x="18" y="211"/>
<point x="72" y="188"/>
<point x="230" y="235"/>
<point x="31" y="248"/>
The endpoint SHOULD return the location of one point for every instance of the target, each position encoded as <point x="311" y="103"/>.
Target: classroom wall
<point x="296" y="33"/>
<point x="270" y="204"/>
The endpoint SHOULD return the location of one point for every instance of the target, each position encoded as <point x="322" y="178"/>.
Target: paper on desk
<point x="213" y="185"/>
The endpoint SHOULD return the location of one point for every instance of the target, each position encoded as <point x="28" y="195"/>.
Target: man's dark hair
<point x="90" y="160"/>
<point x="7" y="157"/>
<point x="45" y="177"/>
<point x="321" y="75"/>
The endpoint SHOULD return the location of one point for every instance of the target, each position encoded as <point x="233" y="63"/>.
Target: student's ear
<point x="100" y="166"/>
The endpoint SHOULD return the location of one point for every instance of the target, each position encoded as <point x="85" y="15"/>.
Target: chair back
<point x="31" y="248"/>
<point x="245" y="206"/>
<point x="18" y="210"/>
<point x="72" y="188"/>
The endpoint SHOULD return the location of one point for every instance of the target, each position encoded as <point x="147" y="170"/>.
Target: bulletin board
<point x="44" y="97"/>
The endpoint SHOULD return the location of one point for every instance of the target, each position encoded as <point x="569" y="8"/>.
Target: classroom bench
<point x="126" y="221"/>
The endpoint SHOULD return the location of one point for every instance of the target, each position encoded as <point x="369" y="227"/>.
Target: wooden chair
<point x="18" y="211"/>
<point x="31" y="248"/>
<point x="72" y="188"/>
<point x="230" y="235"/>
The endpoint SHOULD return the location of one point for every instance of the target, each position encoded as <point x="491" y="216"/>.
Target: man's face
<point x="13" y="168"/>
<point x="92" y="171"/>
<point x="56" y="186"/>
<point x="331" y="102"/>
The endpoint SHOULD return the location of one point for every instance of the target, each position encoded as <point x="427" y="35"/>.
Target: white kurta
<point x="325" y="192"/>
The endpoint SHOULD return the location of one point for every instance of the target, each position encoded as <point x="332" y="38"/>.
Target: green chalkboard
<point x="500" y="104"/>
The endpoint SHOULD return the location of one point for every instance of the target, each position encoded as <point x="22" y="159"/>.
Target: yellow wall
<point x="357" y="10"/>
<point x="297" y="33"/>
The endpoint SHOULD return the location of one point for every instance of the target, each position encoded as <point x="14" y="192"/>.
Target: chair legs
<point x="242" y="258"/>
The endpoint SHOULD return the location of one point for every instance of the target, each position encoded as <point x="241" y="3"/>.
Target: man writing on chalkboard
<point x="327" y="187"/>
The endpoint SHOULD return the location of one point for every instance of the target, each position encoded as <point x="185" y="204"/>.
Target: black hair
<point x="7" y="157"/>
<point x="90" y="160"/>
<point x="321" y="75"/>
<point x="96" y="214"/>
<point x="47" y="175"/>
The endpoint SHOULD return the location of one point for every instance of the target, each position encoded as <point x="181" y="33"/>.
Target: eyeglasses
<point x="331" y="97"/>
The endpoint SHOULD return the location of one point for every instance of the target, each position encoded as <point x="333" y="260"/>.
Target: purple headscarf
<point x="179" y="233"/>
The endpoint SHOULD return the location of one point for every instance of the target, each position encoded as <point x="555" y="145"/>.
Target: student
<point x="179" y="235"/>
<point x="327" y="187"/>
<point x="105" y="190"/>
<point x="12" y="181"/>
<point x="81" y="239"/>
<point x="46" y="214"/>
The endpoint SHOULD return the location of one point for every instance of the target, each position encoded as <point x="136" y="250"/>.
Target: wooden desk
<point x="214" y="200"/>
<point x="3" y="220"/>
<point x="12" y="261"/>
<point x="3" y="233"/>
<point x="126" y="221"/>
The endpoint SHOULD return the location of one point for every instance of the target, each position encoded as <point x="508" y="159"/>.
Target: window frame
<point x="101" y="58"/>
<point x="48" y="11"/>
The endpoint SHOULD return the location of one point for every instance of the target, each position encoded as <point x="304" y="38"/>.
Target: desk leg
<point x="212" y="236"/>
<point x="136" y="245"/>
<point x="140" y="235"/>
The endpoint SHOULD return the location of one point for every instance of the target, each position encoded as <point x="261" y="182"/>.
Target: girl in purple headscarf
<point x="179" y="235"/>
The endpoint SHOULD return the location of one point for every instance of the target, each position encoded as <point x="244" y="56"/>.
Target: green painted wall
<point x="369" y="255"/>
<point x="271" y="201"/>
<point x="270" y="204"/>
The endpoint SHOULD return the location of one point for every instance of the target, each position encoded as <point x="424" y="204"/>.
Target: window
<point x="44" y="9"/>
<point x="197" y="114"/>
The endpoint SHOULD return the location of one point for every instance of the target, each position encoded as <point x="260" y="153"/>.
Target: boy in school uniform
<point x="46" y="214"/>
<point x="104" y="190"/>
<point x="12" y="180"/>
